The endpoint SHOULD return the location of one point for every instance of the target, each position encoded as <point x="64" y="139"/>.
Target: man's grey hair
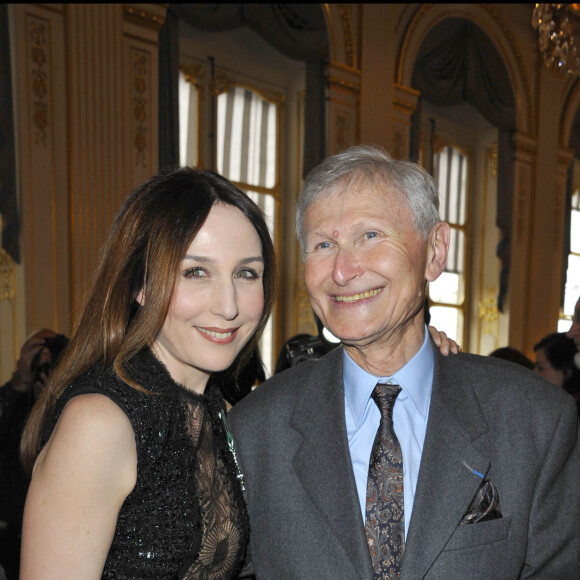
<point x="370" y="165"/>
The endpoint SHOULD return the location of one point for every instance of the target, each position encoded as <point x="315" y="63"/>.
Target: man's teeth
<point x="356" y="297"/>
<point x="218" y="335"/>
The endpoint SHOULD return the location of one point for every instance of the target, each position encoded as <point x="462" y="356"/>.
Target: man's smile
<point x="357" y="297"/>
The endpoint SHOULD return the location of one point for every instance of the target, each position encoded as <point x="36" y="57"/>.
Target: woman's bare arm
<point x="79" y="483"/>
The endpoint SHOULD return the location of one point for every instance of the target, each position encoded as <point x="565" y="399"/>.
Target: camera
<point x="307" y="348"/>
<point x="55" y="344"/>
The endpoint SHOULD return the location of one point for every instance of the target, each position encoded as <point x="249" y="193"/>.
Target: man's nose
<point x="225" y="301"/>
<point x="347" y="266"/>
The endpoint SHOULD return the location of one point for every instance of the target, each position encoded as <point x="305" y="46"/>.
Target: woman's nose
<point x="225" y="302"/>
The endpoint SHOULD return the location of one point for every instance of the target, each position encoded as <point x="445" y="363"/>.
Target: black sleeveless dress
<point x="186" y="517"/>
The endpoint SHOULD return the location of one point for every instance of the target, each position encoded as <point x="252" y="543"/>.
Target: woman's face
<point x="218" y="299"/>
<point x="543" y="367"/>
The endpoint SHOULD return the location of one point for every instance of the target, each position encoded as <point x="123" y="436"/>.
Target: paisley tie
<point x="385" y="516"/>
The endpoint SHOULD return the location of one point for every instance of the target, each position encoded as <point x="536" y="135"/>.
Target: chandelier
<point x="556" y="36"/>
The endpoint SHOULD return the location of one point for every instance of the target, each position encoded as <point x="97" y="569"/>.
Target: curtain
<point x="169" y="91"/>
<point x="8" y="201"/>
<point x="296" y="30"/>
<point x="457" y="62"/>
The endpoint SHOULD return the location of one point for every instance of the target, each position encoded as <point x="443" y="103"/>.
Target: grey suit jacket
<point x="500" y="419"/>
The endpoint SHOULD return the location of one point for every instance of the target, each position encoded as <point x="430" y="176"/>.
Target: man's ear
<point x="438" y="246"/>
<point x="141" y="296"/>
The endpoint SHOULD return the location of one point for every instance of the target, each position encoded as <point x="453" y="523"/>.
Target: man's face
<point x="365" y="266"/>
<point x="574" y="332"/>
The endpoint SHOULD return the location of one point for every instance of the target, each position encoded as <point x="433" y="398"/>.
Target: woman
<point x="133" y="476"/>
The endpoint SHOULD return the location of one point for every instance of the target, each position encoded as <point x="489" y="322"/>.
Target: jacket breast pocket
<point x="478" y="534"/>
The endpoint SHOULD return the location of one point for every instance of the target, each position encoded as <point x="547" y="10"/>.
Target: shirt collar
<point x="415" y="379"/>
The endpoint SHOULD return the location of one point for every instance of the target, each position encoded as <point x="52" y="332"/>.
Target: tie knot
<point x="384" y="395"/>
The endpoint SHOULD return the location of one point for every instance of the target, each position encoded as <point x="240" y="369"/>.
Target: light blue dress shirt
<point x="410" y="416"/>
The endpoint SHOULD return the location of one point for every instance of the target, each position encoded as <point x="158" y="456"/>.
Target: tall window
<point x="247" y="154"/>
<point x="246" y="122"/>
<point x="572" y="288"/>
<point x="447" y="293"/>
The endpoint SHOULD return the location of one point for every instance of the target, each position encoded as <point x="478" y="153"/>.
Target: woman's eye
<point x="195" y="273"/>
<point x="370" y="235"/>
<point x="247" y="274"/>
<point x="323" y="246"/>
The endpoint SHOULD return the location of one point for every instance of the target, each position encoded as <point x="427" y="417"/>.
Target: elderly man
<point x="385" y="459"/>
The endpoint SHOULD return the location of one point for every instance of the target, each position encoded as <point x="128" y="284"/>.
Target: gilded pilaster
<point x="42" y="294"/>
<point x="343" y="90"/>
<point x="404" y="104"/>
<point x="525" y="150"/>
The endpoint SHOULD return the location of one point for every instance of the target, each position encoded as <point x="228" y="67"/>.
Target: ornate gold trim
<point x="140" y="105"/>
<point x="487" y="310"/>
<point x="193" y="73"/>
<point x="7" y="277"/>
<point x="521" y="202"/>
<point x="409" y="33"/>
<point x="37" y="31"/>
<point x="142" y="17"/>
<point x="334" y="81"/>
<point x="221" y="83"/>
<point x="521" y="67"/>
<point x="345" y="22"/>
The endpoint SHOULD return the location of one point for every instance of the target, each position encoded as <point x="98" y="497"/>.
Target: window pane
<point x="451" y="178"/>
<point x="448" y="288"/>
<point x="188" y="122"/>
<point x="449" y="320"/>
<point x="572" y="289"/>
<point x="575" y="232"/>
<point x="268" y="205"/>
<point x="246" y="137"/>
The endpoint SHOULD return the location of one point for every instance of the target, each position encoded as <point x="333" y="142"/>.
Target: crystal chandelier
<point x="556" y="36"/>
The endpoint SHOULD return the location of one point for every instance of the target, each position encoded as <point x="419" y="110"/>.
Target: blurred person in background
<point x="37" y="357"/>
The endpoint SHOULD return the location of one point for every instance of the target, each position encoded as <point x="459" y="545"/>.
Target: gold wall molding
<point x="194" y="73"/>
<point x="220" y="83"/>
<point x="409" y="34"/>
<point x="7" y="277"/>
<point x="493" y="156"/>
<point x="142" y="17"/>
<point x="141" y="67"/>
<point x="521" y="203"/>
<point x="346" y="24"/>
<point x="38" y="37"/>
<point x="341" y="83"/>
<point x="488" y="312"/>
<point x="565" y="159"/>
<point x="490" y="8"/>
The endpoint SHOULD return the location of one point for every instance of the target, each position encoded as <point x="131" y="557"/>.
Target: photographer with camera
<point x="17" y="397"/>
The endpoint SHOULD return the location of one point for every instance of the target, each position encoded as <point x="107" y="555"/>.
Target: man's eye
<point x="370" y="235"/>
<point x="323" y="246"/>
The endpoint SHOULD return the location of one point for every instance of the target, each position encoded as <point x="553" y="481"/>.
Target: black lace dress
<point x="186" y="517"/>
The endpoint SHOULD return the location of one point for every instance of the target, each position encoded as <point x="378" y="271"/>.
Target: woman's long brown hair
<point x="148" y="240"/>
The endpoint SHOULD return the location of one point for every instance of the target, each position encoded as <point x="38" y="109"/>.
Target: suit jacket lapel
<point x="456" y="431"/>
<point x="322" y="462"/>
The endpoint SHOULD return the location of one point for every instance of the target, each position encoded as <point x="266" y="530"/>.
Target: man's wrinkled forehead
<point x="356" y="182"/>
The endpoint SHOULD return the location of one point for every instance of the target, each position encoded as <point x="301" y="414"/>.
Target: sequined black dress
<point x="185" y="517"/>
